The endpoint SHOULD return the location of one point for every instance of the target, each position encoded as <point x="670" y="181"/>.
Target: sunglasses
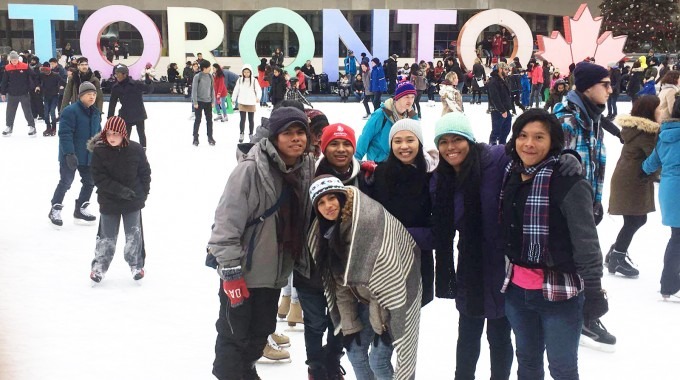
<point x="606" y="84"/>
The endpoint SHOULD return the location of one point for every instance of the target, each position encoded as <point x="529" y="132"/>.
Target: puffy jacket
<point x="500" y="98"/>
<point x="247" y="92"/>
<point x="50" y="83"/>
<point x="378" y="82"/>
<point x="666" y="155"/>
<point x="131" y="95"/>
<point x="374" y="140"/>
<point x="116" y="168"/>
<point x="17" y="80"/>
<point x="77" y="125"/>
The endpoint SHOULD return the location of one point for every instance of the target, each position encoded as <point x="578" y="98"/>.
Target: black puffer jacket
<point x="130" y="93"/>
<point x="116" y="168"/>
<point x="499" y="94"/>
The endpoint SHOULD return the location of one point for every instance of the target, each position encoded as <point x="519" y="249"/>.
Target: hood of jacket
<point x="247" y="66"/>
<point x="640" y="123"/>
<point x="670" y="131"/>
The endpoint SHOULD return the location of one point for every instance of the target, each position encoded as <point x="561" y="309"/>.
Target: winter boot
<point x="137" y="273"/>
<point x="54" y="128"/>
<point x="31" y="130"/>
<point x="596" y="332"/>
<point x="316" y="371"/>
<point x="620" y="262"/>
<point x="7" y="132"/>
<point x="275" y="353"/>
<point x="55" y="214"/>
<point x="240" y="138"/>
<point x="333" y="367"/>
<point x="48" y="131"/>
<point x="211" y="141"/>
<point x="195" y="141"/>
<point x="284" y="307"/>
<point x="281" y="340"/>
<point x="81" y="212"/>
<point x="295" y="314"/>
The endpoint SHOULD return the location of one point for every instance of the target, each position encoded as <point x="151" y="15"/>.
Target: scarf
<point x="292" y="236"/>
<point x="536" y="214"/>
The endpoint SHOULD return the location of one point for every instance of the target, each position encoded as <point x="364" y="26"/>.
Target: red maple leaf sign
<point x="580" y="41"/>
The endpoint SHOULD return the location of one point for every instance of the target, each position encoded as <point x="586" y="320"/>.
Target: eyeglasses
<point x="606" y="83"/>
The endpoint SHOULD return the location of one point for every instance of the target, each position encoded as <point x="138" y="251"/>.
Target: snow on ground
<point x="53" y="325"/>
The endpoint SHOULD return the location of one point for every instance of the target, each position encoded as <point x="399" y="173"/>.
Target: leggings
<point x="251" y="122"/>
<point x="419" y="93"/>
<point x="631" y="223"/>
<point x="377" y="98"/>
<point x="367" y="99"/>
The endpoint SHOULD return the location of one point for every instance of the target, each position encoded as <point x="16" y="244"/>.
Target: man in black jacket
<point x="130" y="92"/>
<point x="391" y="73"/>
<point x="500" y="103"/>
<point x="17" y="82"/>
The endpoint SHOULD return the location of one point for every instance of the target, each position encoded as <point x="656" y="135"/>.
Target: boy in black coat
<point x="122" y="176"/>
<point x="130" y="93"/>
<point x="49" y="84"/>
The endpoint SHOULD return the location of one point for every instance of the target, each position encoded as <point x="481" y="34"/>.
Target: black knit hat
<point x="82" y="59"/>
<point x="283" y="117"/>
<point x="586" y="75"/>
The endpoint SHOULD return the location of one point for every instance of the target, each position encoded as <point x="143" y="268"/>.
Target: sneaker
<point x="218" y="118"/>
<point x="7" y="132"/>
<point x="211" y="141"/>
<point x="55" y="214"/>
<point x="281" y="340"/>
<point x="96" y="276"/>
<point x="225" y="119"/>
<point x="137" y="273"/>
<point x="81" y="212"/>
<point x="273" y="352"/>
<point x="31" y="131"/>
<point x="195" y="141"/>
<point x="620" y="263"/>
<point x="596" y="331"/>
<point x="250" y="137"/>
<point x="240" y="139"/>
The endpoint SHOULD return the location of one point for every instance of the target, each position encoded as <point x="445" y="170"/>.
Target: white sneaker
<point x="240" y="139"/>
<point x="218" y="118"/>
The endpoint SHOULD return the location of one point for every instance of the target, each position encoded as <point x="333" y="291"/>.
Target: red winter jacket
<point x="220" y="87"/>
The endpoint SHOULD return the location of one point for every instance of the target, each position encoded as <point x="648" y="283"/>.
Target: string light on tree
<point x="646" y="24"/>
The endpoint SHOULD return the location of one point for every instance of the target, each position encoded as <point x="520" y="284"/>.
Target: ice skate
<point x="96" y="276"/>
<point x="218" y="118"/>
<point x="7" y="132"/>
<point x="195" y="141"/>
<point x="240" y="138"/>
<point x="284" y="307"/>
<point x="619" y="262"/>
<point x="211" y="141"/>
<point x="55" y="215"/>
<point x="225" y="119"/>
<point x="594" y="335"/>
<point x="272" y="353"/>
<point x="608" y="255"/>
<point x="295" y="314"/>
<point x="671" y="297"/>
<point x="366" y="117"/>
<point x="31" y="131"/>
<point x="82" y="216"/>
<point x="48" y="132"/>
<point x="281" y="340"/>
<point x="137" y="273"/>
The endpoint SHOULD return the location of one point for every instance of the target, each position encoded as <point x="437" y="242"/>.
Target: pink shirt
<point x="527" y="278"/>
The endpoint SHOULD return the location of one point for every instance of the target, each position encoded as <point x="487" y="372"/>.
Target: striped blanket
<point x="383" y="257"/>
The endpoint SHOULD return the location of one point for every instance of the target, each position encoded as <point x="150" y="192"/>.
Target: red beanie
<point x="337" y="131"/>
<point x="115" y="124"/>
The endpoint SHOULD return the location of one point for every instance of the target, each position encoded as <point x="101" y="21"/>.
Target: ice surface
<point x="53" y="325"/>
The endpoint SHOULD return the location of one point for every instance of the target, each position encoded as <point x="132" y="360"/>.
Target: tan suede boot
<point x="284" y="307"/>
<point x="281" y="339"/>
<point x="295" y="314"/>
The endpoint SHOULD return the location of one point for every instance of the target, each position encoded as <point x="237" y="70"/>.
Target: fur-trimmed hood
<point x="641" y="123"/>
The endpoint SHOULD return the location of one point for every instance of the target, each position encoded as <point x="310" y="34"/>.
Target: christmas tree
<point x="648" y="24"/>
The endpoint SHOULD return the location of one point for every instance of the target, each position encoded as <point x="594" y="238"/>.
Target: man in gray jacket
<point x="203" y="98"/>
<point x="257" y="238"/>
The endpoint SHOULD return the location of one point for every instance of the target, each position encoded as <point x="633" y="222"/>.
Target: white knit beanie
<point x="407" y="125"/>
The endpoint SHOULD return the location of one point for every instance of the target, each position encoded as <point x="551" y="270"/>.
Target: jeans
<point x="66" y="176"/>
<point x="289" y="290"/>
<point x="265" y="96"/>
<point x="468" y="347"/>
<point x="374" y="366"/>
<point x="140" y="131"/>
<point x="242" y="333"/>
<point x="670" y="276"/>
<point x="221" y="105"/>
<point x="541" y="325"/>
<point x="317" y="322"/>
<point x="430" y="92"/>
<point x="536" y="94"/>
<point x="50" y="103"/>
<point x="500" y="127"/>
<point x="612" y="110"/>
<point x="13" y="102"/>
<point x="460" y="85"/>
<point x="631" y="223"/>
<point x="359" y="96"/>
<point x="206" y="107"/>
<point x="107" y="235"/>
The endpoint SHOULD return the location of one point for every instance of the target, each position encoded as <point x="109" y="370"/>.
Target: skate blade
<point x="592" y="344"/>
<point x="264" y="360"/>
<point x="80" y="222"/>
<point x="298" y="328"/>
<point x="673" y="298"/>
<point x="56" y="227"/>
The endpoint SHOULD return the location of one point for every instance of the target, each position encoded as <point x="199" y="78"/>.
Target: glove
<point x="71" y="161"/>
<point x="234" y="285"/>
<point x="596" y="304"/>
<point x="570" y="165"/>
<point x="127" y="193"/>
<point x="598" y="212"/>
<point x="368" y="167"/>
<point x="347" y="340"/>
<point x="384" y="337"/>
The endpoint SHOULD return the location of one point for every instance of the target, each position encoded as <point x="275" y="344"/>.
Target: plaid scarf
<point x="536" y="214"/>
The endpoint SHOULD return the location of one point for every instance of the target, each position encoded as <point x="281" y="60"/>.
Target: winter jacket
<point x="188" y="75"/>
<point x="278" y="89"/>
<point x="478" y="73"/>
<point x="615" y="77"/>
<point x="203" y="89"/>
<point x="308" y="71"/>
<point x="391" y="69"/>
<point x="374" y="140"/>
<point x="277" y="59"/>
<point x="493" y="163"/>
<point x="585" y="136"/>
<point x="573" y="245"/>
<point x="451" y="98"/>
<point x="668" y="97"/>
<point x="630" y="194"/>
<point x="500" y="98"/>
<point x="253" y="187"/>
<point x="263" y="76"/>
<point x="17" y="80"/>
<point x="526" y="89"/>
<point x="554" y="98"/>
<point x="358" y="85"/>
<point x="247" y="92"/>
<point x="366" y="78"/>
<point x="50" y="83"/>
<point x="378" y="82"/>
<point x="173" y="75"/>
<point x="350" y="65"/>
<point x="649" y="88"/>
<point x="635" y="82"/>
<point x="131" y="95"/>
<point x="231" y="77"/>
<point x="77" y="125"/>
<point x="666" y="155"/>
<point x="418" y="80"/>
<point x="220" y="87"/>
<point x="73" y="84"/>
<point x="537" y="75"/>
<point x="117" y="168"/>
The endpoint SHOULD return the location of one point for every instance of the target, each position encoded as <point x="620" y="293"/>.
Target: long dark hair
<point x="218" y="71"/>
<point x="395" y="168"/>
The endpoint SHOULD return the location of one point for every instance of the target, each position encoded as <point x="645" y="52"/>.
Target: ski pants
<point x="140" y="131"/>
<point x="242" y="332"/>
<point x="12" y="104"/>
<point x="107" y="235"/>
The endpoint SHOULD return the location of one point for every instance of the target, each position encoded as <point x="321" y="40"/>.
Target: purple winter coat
<point x="493" y="163"/>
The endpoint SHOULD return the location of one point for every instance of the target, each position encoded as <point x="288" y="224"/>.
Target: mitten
<point x="570" y="165"/>
<point x="127" y="193"/>
<point x="348" y="339"/>
<point x="598" y="212"/>
<point x="368" y="167"/>
<point x="71" y="161"/>
<point x="596" y="304"/>
<point x="234" y="285"/>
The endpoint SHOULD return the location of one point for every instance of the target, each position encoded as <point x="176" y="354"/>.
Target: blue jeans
<point x="265" y="96"/>
<point x="317" y="321"/>
<point x="670" y="276"/>
<point x="469" y="345"/>
<point x="66" y="177"/>
<point x="612" y="110"/>
<point x="220" y="104"/>
<point x="374" y="366"/>
<point x="50" y="103"/>
<point x="541" y="325"/>
<point x="500" y="127"/>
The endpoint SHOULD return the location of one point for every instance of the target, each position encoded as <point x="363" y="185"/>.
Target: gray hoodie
<point x="203" y="90"/>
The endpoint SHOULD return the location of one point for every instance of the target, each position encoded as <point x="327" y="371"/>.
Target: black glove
<point x="127" y="193"/>
<point x="384" y="337"/>
<point x="570" y="165"/>
<point x="347" y="340"/>
<point x="596" y="304"/>
<point x="598" y="212"/>
<point x="71" y="161"/>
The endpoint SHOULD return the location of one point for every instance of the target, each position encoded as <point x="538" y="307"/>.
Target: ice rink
<point x="55" y="326"/>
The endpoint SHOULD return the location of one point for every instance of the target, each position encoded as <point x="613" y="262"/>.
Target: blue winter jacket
<point x="374" y="142"/>
<point x="77" y="125"/>
<point x="667" y="156"/>
<point x="351" y="65"/>
<point x="378" y="82"/>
